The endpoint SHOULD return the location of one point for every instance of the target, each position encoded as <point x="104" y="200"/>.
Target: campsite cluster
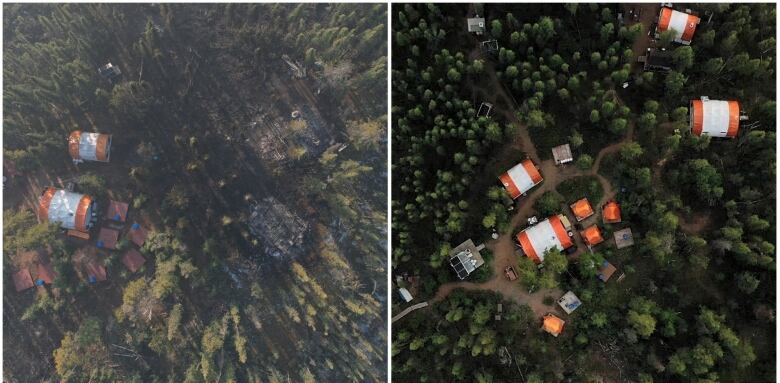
<point x="714" y="118"/>
<point x="79" y="216"/>
<point x="612" y="144"/>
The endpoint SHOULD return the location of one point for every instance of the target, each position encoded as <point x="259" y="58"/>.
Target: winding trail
<point x="504" y="249"/>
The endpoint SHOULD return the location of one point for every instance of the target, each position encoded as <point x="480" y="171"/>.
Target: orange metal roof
<point x="510" y="186"/>
<point x="611" y="212"/>
<point x="582" y="209"/>
<point x="43" y="204"/>
<point x="560" y="232"/>
<point x="102" y="147"/>
<point x="533" y="172"/>
<point x="553" y="324"/>
<point x="528" y="248"/>
<point x="81" y="213"/>
<point x="73" y="144"/>
<point x="592" y="235"/>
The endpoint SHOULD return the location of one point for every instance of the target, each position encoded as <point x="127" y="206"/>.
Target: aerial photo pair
<point x="580" y="192"/>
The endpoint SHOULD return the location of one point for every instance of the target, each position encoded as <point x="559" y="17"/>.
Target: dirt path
<point x="503" y="248"/>
<point x="697" y="224"/>
<point x="647" y="14"/>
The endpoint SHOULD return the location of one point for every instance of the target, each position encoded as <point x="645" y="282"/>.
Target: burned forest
<point x="194" y="192"/>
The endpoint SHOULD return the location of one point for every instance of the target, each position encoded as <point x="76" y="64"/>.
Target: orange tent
<point x="592" y="236"/>
<point x="581" y="209"/>
<point x="611" y="212"/>
<point x="553" y="325"/>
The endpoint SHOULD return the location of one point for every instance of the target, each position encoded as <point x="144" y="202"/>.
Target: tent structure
<point x="95" y="272"/>
<point x="581" y="209"/>
<point x="521" y="178"/>
<point x="551" y="233"/>
<point x="22" y="280"/>
<point x="107" y="238"/>
<point x="46" y="273"/>
<point x="624" y="238"/>
<point x="117" y="211"/>
<point x="133" y="260"/>
<point x="84" y="146"/>
<point x="552" y="324"/>
<point x="592" y="236"/>
<point x="610" y="212"/>
<point x="569" y="302"/>
<point x="683" y="24"/>
<point x="137" y="234"/>
<point x="715" y="118"/>
<point x="71" y="210"/>
<point x="606" y="270"/>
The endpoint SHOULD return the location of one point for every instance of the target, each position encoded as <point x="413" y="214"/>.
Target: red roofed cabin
<point x="71" y="210"/>
<point x="553" y="232"/>
<point x="683" y="24"/>
<point x="89" y="146"/>
<point x="611" y="212"/>
<point x="521" y="178"/>
<point x="715" y="118"/>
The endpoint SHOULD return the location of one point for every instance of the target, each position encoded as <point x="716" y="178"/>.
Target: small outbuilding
<point x="610" y="212"/>
<point x="657" y="60"/>
<point x="624" y="238"/>
<point x="117" y="211"/>
<point x="569" y="302"/>
<point x="405" y="295"/>
<point x="95" y="272"/>
<point x="581" y="209"/>
<point x="552" y="324"/>
<point x="107" y="238"/>
<point x="137" y="234"/>
<point x="592" y="235"/>
<point x="109" y="71"/>
<point x="606" y="270"/>
<point x="476" y="25"/>
<point x="85" y="146"/>
<point x="133" y="260"/>
<point x="465" y="259"/>
<point x="45" y="273"/>
<point x="562" y="154"/>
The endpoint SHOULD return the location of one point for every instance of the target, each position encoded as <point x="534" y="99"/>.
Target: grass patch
<point x="578" y="187"/>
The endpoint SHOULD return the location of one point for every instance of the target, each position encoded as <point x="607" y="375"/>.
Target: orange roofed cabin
<point x="553" y="325"/>
<point x="521" y="178"/>
<point x="683" y="24"/>
<point x="581" y="209"/>
<point x="592" y="236"/>
<point x="714" y="118"/>
<point x="611" y="212"/>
